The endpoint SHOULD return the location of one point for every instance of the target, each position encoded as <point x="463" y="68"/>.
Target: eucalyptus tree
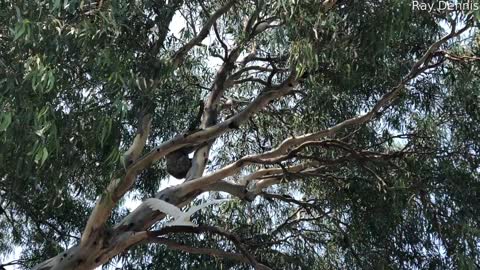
<point x="345" y="131"/>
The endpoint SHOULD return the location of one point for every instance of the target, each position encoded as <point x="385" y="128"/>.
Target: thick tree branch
<point x="287" y="145"/>
<point x="267" y="95"/>
<point x="142" y="217"/>
<point x="239" y="191"/>
<point x="97" y="240"/>
<point x="183" y="190"/>
<point x="117" y="188"/>
<point x="211" y="108"/>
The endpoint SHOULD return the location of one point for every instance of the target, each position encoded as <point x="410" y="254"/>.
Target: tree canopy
<point x="346" y="134"/>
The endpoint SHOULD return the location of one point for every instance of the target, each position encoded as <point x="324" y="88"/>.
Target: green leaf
<point x="44" y="156"/>
<point x="34" y="149"/>
<point x="19" y="30"/>
<point x="34" y="81"/>
<point x="42" y="112"/>
<point x="18" y="12"/>
<point x="107" y="126"/>
<point x="41" y="132"/>
<point x="113" y="157"/>
<point x="38" y="155"/>
<point x="5" y="120"/>
<point x="57" y="4"/>
<point x="50" y="81"/>
<point x="41" y="155"/>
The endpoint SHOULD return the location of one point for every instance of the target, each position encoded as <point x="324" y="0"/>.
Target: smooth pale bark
<point x="99" y="245"/>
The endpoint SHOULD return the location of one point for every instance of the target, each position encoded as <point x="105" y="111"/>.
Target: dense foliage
<point x="398" y="191"/>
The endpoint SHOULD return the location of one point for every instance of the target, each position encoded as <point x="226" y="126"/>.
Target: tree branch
<point x="95" y="231"/>
<point x="179" y="56"/>
<point x="286" y="146"/>
<point x="204" y="251"/>
<point x="118" y="186"/>
<point x="202" y="229"/>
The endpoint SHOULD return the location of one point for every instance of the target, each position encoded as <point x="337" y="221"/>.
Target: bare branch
<point x="202" y="229"/>
<point x="224" y="46"/>
<point x="251" y="79"/>
<point x="460" y="58"/>
<point x="195" y="250"/>
<point x="179" y="56"/>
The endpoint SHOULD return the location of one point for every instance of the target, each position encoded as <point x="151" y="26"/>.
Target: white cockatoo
<point x="180" y="218"/>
